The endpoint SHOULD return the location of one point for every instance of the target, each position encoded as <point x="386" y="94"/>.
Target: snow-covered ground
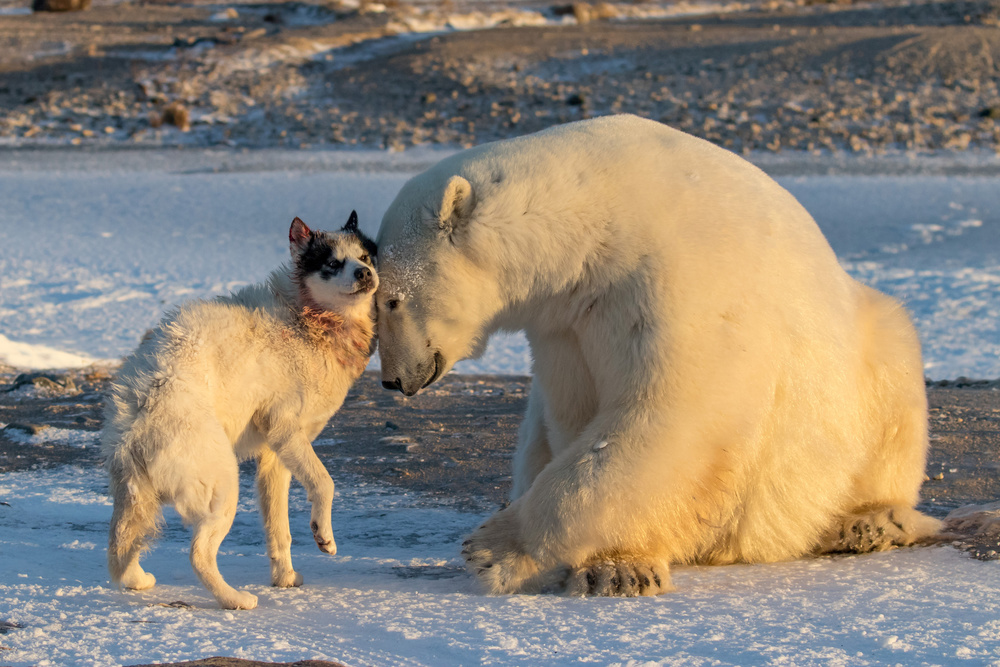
<point x="396" y="594"/>
<point x="94" y="247"/>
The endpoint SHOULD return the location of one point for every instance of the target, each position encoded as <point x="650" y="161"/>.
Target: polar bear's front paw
<point x="618" y="579"/>
<point x="493" y="553"/>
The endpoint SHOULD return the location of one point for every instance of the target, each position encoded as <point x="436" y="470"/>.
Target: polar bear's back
<point x="683" y="188"/>
<point x="705" y="211"/>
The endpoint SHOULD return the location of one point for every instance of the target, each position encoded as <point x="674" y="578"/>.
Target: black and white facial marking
<point x="335" y="268"/>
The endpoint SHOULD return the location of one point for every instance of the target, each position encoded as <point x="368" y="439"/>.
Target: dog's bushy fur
<point x="256" y="374"/>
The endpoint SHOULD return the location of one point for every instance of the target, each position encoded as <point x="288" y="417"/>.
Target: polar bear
<point x="709" y="385"/>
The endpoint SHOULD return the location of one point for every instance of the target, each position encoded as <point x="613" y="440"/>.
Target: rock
<point x="25" y="427"/>
<point x="392" y="426"/>
<point x="177" y="114"/>
<point x="990" y="112"/>
<point x="49" y="381"/>
<point x="575" y="100"/>
<point x="60" y="5"/>
<point x="227" y="14"/>
<point x="398" y="443"/>
<point x="604" y="11"/>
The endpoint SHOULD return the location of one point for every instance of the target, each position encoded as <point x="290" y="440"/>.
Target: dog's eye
<point x="392" y="304"/>
<point x="364" y="258"/>
<point x="335" y="265"/>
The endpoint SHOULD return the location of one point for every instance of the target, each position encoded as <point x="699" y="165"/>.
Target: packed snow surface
<point x="396" y="594"/>
<point x="94" y="247"/>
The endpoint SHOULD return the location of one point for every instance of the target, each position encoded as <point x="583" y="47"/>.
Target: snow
<point x="93" y="248"/>
<point x="396" y="594"/>
<point x="26" y="355"/>
<point x="88" y="266"/>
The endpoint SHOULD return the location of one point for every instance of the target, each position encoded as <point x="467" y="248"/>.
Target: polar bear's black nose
<point x="362" y="273"/>
<point x="397" y="385"/>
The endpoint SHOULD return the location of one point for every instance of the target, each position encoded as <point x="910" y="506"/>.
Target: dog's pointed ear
<point x="352" y="223"/>
<point x="457" y="204"/>
<point x="298" y="237"/>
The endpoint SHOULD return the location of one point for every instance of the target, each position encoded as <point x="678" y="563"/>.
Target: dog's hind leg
<point x="135" y="516"/>
<point x="209" y="504"/>
<point x="273" y="480"/>
<point x="296" y="454"/>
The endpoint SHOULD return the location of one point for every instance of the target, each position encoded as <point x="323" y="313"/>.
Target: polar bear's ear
<point x="457" y="204"/>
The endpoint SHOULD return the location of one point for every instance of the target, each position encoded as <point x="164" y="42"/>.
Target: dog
<point x="256" y="374"/>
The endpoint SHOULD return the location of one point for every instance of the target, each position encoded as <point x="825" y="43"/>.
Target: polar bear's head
<point x="438" y="289"/>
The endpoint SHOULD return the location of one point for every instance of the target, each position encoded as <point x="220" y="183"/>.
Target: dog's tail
<point x="136" y="516"/>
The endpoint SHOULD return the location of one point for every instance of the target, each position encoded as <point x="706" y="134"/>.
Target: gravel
<point x="811" y="77"/>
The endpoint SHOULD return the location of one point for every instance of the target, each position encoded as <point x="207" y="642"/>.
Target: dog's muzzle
<point x="365" y="280"/>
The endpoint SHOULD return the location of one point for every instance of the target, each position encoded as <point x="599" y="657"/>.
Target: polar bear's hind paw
<point x="879" y="529"/>
<point x="618" y="579"/>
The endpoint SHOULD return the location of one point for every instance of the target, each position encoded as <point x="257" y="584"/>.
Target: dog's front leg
<point x="272" y="491"/>
<point x="296" y="453"/>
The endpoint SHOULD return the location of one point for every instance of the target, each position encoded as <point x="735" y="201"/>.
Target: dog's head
<point x="335" y="270"/>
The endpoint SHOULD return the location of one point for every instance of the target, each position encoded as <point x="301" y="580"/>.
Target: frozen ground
<point x="94" y="247"/>
<point x="396" y="595"/>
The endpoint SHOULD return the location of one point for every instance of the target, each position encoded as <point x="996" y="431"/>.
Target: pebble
<point x="398" y="443"/>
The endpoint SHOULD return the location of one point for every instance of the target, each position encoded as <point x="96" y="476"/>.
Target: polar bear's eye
<point x="392" y="304"/>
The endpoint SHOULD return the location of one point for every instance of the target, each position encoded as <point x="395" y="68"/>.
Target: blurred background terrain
<point x="806" y="75"/>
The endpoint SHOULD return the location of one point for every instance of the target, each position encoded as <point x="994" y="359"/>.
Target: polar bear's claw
<point x="878" y="529"/>
<point x="495" y="555"/>
<point x="618" y="579"/>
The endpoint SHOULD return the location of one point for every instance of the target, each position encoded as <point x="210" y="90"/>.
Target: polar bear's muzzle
<point x="425" y="374"/>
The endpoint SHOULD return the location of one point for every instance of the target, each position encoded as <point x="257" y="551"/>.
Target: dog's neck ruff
<point x="350" y="340"/>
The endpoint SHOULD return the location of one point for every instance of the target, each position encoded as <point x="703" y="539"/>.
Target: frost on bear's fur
<point x="709" y="385"/>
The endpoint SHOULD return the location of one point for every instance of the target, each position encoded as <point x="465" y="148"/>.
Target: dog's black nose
<point x="363" y="273"/>
<point x="397" y="385"/>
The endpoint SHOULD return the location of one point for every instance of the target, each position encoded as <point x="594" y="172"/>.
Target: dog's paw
<point x="238" y="600"/>
<point x="324" y="538"/>
<point x="288" y="579"/>
<point x="494" y="555"/>
<point x="618" y="579"/>
<point x="139" y="581"/>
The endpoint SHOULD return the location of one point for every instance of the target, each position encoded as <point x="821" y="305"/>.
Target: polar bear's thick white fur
<point x="709" y="385"/>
